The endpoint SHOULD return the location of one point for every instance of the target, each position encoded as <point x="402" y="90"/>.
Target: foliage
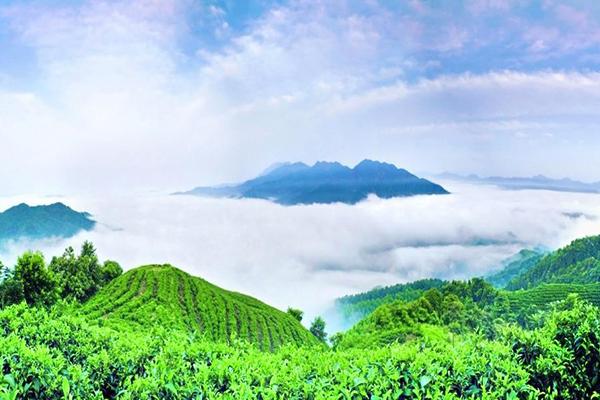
<point x="317" y="328"/>
<point x="162" y="295"/>
<point x="578" y="263"/>
<point x="458" y="306"/>
<point x="110" y="270"/>
<point x="55" y="355"/>
<point x="157" y="333"/>
<point x="97" y="362"/>
<point x="68" y="277"/>
<point x="79" y="276"/>
<point x="515" y="266"/>
<point x="563" y="356"/>
<point x="355" y="307"/>
<point x="296" y="313"/>
<point x="39" y="285"/>
<point x="11" y="289"/>
<point x="3" y="272"/>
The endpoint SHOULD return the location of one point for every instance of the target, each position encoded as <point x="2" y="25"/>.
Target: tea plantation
<point x="156" y="332"/>
<point x="163" y="295"/>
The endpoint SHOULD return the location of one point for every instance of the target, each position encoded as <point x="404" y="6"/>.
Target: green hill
<point x="577" y="263"/>
<point x="456" y="306"/>
<point x="353" y="308"/>
<point x="515" y="266"/>
<point x="162" y="295"/>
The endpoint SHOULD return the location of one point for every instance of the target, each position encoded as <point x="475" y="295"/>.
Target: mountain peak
<point x="284" y="167"/>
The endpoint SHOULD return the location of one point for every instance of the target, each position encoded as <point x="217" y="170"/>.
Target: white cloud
<point x="118" y="104"/>
<point x="306" y="256"/>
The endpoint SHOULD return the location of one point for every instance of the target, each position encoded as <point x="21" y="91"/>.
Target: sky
<point x="161" y="95"/>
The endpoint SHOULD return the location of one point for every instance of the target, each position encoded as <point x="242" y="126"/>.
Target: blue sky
<point x="216" y="91"/>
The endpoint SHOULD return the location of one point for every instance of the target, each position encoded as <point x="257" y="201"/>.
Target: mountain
<point x="162" y="295"/>
<point x="37" y="222"/>
<point x="577" y="263"/>
<point x="538" y="182"/>
<point x="326" y="182"/>
<point x="515" y="266"/>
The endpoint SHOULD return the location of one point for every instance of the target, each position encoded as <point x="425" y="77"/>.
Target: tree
<point x="109" y="271"/>
<point x="11" y="289"/>
<point x="90" y="266"/>
<point x="39" y="286"/>
<point x="317" y="328"/>
<point x="71" y="282"/>
<point x="296" y="313"/>
<point x="3" y="272"/>
<point x="78" y="277"/>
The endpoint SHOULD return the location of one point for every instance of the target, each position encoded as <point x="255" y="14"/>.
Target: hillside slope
<point x="166" y="296"/>
<point x="577" y="263"/>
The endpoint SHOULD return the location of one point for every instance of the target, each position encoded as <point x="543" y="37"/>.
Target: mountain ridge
<point x="536" y="182"/>
<point x="326" y="182"/>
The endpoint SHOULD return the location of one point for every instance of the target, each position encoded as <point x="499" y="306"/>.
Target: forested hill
<point x="577" y="263"/>
<point x="162" y="295"/>
<point x="515" y="266"/>
<point x="54" y="220"/>
<point x="459" y="307"/>
<point x="326" y="182"/>
<point x="353" y="308"/>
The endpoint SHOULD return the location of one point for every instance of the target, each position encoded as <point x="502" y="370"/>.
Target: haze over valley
<point x="308" y="255"/>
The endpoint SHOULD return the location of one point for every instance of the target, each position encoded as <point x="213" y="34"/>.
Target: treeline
<point x="459" y="307"/>
<point x="71" y="276"/>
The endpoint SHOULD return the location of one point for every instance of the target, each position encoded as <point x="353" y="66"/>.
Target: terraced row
<point x="163" y="295"/>
<point x="544" y="295"/>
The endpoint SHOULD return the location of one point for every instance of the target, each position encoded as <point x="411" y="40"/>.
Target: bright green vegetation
<point x="578" y="263"/>
<point x="542" y="297"/>
<point x="70" y="277"/>
<point x="355" y="307"/>
<point x="158" y="333"/>
<point x="460" y="307"/>
<point x="515" y="266"/>
<point x="56" y="355"/>
<point x="161" y="295"/>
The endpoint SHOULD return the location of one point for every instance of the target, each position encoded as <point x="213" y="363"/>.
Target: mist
<point x="306" y="256"/>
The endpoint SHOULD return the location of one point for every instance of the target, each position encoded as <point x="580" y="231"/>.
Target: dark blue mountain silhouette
<point x="326" y="182"/>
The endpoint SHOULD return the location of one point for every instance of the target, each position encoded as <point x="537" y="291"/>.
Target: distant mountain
<point x="515" y="266"/>
<point x="326" y="182"/>
<point x="577" y="263"/>
<point x="538" y="182"/>
<point x="54" y="220"/>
